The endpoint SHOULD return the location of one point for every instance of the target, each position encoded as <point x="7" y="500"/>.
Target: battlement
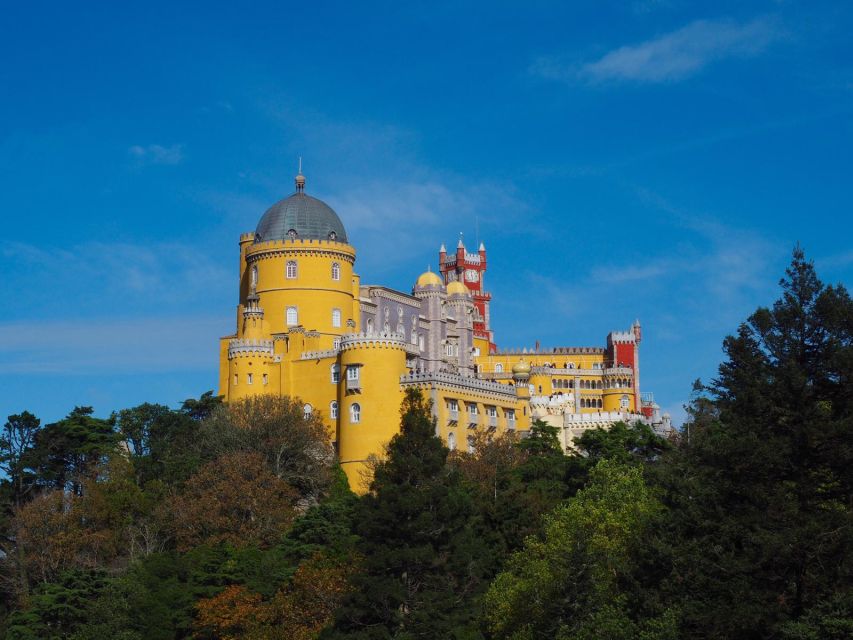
<point x="242" y="347"/>
<point x="376" y="339"/>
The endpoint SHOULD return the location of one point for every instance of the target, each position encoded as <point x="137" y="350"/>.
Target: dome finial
<point x="300" y="179"/>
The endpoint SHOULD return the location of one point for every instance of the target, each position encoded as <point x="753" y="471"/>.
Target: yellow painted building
<point x="308" y="328"/>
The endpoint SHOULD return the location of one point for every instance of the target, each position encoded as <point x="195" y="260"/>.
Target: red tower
<point x="470" y="269"/>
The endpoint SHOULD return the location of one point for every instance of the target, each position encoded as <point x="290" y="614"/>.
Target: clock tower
<point x="470" y="270"/>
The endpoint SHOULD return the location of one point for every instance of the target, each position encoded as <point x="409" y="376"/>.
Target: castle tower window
<point x="336" y="343"/>
<point x="291" y="270"/>
<point x="333" y="410"/>
<point x="499" y="368"/>
<point x="355" y="413"/>
<point x="353" y="378"/>
<point x="292" y="317"/>
<point x="336" y="271"/>
<point x="307" y="410"/>
<point x="265" y="378"/>
<point x="235" y="379"/>
<point x="248" y="378"/>
<point x="254" y="279"/>
<point x="510" y="418"/>
<point x="624" y="403"/>
<point x="336" y="373"/>
<point x="370" y="325"/>
<point x="452" y="410"/>
<point x="336" y="317"/>
<point x="470" y="444"/>
<point x="451" y="441"/>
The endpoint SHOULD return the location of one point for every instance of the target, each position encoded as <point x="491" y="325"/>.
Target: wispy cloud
<point x="667" y="58"/>
<point x="110" y="345"/>
<point x="111" y="275"/>
<point x="157" y="154"/>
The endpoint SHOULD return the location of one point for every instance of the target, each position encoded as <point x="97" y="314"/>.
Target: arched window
<point x="451" y="441"/>
<point x="370" y="325"/>
<point x="290" y="271"/>
<point x="248" y="378"/>
<point x="624" y="403"/>
<point x="254" y="277"/>
<point x="307" y="410"/>
<point x="292" y="317"/>
<point x="333" y="409"/>
<point x="336" y="271"/>
<point x="336" y="373"/>
<point x="355" y="413"/>
<point x="499" y="368"/>
<point x="336" y="317"/>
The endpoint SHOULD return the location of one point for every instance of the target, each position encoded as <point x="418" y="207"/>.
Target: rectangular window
<point x="452" y="410"/>
<point x="353" y="378"/>
<point x="336" y="317"/>
<point x="265" y="379"/>
<point x="235" y="379"/>
<point x="292" y="317"/>
<point x="336" y="343"/>
<point x="336" y="374"/>
<point x="248" y="378"/>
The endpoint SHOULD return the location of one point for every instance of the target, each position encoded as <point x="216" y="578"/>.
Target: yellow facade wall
<point x="378" y="396"/>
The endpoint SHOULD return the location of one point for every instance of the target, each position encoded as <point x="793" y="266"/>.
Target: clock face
<point x="471" y="275"/>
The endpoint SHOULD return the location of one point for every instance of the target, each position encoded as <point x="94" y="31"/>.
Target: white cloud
<point x="670" y="57"/>
<point x="157" y="154"/>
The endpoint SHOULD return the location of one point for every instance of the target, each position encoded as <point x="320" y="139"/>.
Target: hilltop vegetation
<point x="216" y="522"/>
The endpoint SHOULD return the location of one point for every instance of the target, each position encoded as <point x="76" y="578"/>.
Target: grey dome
<point x="300" y="216"/>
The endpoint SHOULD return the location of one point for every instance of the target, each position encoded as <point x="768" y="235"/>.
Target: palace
<point x="308" y="328"/>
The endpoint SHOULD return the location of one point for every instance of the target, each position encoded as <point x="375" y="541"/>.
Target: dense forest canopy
<point x="215" y="522"/>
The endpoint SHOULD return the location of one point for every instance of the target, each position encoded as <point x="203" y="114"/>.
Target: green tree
<point x="566" y="583"/>
<point x="634" y="444"/>
<point x="67" y="451"/>
<point x="759" y="494"/>
<point x="423" y="562"/>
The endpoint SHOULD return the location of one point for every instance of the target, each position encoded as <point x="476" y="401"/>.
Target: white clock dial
<point x="471" y="275"/>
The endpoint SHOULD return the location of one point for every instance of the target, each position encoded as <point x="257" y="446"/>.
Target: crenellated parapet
<point x="457" y="382"/>
<point x="300" y="246"/>
<point x="319" y="355"/>
<point x="372" y="340"/>
<point x="243" y="347"/>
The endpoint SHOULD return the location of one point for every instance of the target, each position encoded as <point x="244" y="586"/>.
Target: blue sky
<point x="650" y="159"/>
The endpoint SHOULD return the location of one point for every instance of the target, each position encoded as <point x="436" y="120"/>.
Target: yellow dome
<point x="521" y="368"/>
<point x="456" y="287"/>
<point x="428" y="278"/>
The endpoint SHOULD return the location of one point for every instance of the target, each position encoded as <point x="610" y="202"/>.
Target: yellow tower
<point x="298" y="294"/>
<point x="371" y="366"/>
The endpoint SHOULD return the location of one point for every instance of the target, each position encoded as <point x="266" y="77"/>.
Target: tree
<point x="49" y="530"/>
<point x="762" y="529"/>
<point x="67" y="451"/>
<point x="423" y="562"/>
<point x="234" y="499"/>
<point x="297" y="449"/>
<point x="16" y="457"/>
<point x="634" y="444"/>
<point x="566" y="583"/>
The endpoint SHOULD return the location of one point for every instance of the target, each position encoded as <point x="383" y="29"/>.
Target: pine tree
<point x="761" y="492"/>
<point x="423" y="564"/>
